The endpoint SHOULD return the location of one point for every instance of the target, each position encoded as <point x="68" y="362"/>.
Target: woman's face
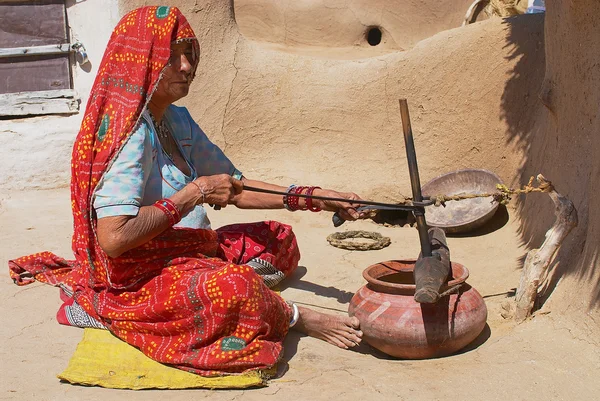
<point x="178" y="74"/>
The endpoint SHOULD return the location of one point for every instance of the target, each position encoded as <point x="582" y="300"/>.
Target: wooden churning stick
<point x="433" y="266"/>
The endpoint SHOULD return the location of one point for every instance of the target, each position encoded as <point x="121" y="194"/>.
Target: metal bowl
<point x="464" y="215"/>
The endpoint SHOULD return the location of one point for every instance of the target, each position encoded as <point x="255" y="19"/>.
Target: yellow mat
<point x="102" y="359"/>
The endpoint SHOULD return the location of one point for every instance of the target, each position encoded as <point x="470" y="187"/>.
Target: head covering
<point x="138" y="50"/>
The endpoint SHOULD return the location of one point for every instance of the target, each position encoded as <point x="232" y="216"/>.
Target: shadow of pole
<point x="343" y="297"/>
<point x="295" y="281"/>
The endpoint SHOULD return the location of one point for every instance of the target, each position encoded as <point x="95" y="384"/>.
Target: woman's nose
<point x="185" y="65"/>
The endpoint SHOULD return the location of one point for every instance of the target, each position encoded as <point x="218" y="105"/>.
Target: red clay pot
<point x="395" y="324"/>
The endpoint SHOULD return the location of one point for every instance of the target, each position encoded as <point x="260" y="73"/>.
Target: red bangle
<point x="169" y="209"/>
<point x="285" y="197"/>
<point x="300" y="191"/>
<point x="309" y="204"/>
<point x="293" y="202"/>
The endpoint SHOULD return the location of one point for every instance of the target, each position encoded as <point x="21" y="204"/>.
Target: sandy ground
<point x="541" y="359"/>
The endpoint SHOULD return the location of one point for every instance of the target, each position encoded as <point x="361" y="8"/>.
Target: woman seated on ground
<point x="149" y="268"/>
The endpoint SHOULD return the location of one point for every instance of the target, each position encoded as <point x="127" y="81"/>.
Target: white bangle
<point x="295" y="314"/>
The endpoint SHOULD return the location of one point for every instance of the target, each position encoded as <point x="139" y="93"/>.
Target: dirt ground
<point x="543" y="358"/>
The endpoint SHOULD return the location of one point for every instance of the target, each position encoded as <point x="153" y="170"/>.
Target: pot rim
<point x="456" y="268"/>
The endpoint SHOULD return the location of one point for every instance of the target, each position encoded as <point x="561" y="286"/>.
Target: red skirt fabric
<point x="207" y="314"/>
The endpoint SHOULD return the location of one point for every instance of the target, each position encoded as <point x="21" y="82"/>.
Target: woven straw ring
<point x="339" y="240"/>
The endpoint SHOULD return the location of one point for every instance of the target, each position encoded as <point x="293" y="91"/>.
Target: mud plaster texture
<point x="517" y="96"/>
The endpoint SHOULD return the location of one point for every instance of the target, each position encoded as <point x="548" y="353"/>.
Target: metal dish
<point x="465" y="215"/>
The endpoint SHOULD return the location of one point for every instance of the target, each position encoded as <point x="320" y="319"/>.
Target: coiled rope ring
<point x="339" y="240"/>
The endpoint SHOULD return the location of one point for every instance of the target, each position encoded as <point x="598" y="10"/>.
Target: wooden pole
<point x="415" y="181"/>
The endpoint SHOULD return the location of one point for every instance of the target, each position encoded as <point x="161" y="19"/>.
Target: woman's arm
<point x="118" y="234"/>
<point x="259" y="200"/>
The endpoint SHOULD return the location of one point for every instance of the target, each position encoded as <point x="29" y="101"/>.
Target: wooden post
<point x="538" y="260"/>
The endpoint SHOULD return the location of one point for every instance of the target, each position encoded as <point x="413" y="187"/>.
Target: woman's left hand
<point x="346" y="210"/>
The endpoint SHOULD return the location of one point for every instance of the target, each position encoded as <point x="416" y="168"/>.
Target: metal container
<point x="464" y="215"/>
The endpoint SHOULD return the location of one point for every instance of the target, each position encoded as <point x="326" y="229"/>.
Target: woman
<point x="148" y="266"/>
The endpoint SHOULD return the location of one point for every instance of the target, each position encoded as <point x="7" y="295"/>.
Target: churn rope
<point x="502" y="196"/>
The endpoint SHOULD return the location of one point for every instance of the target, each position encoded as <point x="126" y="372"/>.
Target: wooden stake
<point x="538" y="260"/>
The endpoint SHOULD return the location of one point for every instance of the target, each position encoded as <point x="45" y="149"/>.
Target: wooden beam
<point x="63" y="101"/>
<point x="35" y="50"/>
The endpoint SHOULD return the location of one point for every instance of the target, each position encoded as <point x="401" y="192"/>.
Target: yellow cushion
<point x="102" y="359"/>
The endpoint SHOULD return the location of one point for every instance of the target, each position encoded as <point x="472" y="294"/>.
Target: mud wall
<point x="565" y="145"/>
<point x="342" y="23"/>
<point x="288" y="115"/>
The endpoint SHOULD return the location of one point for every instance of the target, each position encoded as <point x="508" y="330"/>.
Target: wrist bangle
<point x="285" y="197"/>
<point x="295" y="314"/>
<point x="169" y="209"/>
<point x="300" y="190"/>
<point x="292" y="201"/>
<point x="309" y="204"/>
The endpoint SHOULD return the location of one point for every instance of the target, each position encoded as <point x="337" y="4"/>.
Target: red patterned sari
<point x="190" y="298"/>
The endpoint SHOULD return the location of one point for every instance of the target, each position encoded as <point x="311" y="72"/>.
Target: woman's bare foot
<point x="342" y="331"/>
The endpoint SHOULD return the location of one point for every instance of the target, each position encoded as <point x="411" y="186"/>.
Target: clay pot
<point x="395" y="324"/>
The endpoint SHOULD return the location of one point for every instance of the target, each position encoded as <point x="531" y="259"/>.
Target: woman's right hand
<point x="218" y="189"/>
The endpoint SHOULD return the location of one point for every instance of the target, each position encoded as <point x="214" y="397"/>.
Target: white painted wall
<point x="36" y="152"/>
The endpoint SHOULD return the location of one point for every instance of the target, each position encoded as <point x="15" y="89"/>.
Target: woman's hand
<point x="346" y="210"/>
<point x="218" y="189"/>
